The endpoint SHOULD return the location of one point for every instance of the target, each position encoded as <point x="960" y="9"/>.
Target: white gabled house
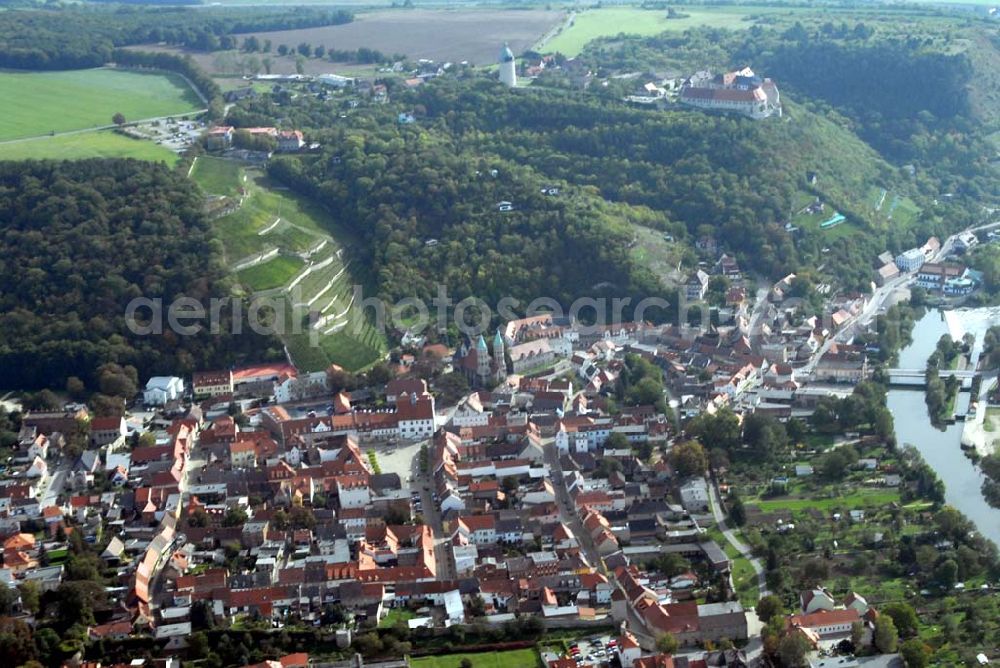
<point x="39" y="447"/>
<point x="38" y="468"/>
<point x="162" y="389"/>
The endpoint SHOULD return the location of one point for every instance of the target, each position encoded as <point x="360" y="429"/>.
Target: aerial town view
<point x="458" y="334"/>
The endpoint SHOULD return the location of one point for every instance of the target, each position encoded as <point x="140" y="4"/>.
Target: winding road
<point x="740" y="546"/>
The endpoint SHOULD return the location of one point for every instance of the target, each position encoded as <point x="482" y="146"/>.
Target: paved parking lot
<point x="591" y="650"/>
<point x="401" y="459"/>
<point x="171" y="133"/>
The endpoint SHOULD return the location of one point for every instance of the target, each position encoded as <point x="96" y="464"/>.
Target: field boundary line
<point x="99" y="128"/>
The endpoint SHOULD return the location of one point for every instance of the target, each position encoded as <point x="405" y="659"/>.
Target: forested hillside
<point x="430" y="213"/>
<point x="919" y="92"/>
<point x="718" y="175"/>
<point x="78" y="242"/>
<point x="702" y="174"/>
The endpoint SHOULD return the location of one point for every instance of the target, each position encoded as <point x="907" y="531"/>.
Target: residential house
<point x="814" y="600"/>
<point x="108" y="431"/>
<point x="696" y="286"/>
<point x="290" y="141"/>
<point x="219" y="138"/>
<point x="39" y="447"/>
<point x="212" y="383"/>
<point x="727" y="266"/>
<point x="162" y="389"/>
<point x="886" y="273"/>
<point x="694" y="495"/>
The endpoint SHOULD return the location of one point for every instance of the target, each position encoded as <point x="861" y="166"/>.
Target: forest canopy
<point x="79" y="241"/>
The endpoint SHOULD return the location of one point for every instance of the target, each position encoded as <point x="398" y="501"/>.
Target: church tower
<point x="482" y="360"/>
<point x="508" y="67"/>
<point x="499" y="360"/>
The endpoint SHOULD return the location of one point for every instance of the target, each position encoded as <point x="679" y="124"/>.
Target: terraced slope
<point x="279" y="245"/>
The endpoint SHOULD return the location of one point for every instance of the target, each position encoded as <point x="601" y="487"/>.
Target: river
<point x="941" y="449"/>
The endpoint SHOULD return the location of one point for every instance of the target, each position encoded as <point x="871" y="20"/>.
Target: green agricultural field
<point x="271" y="274"/>
<point x="217" y="176"/>
<point x="104" y="144"/>
<point x="607" y="22"/>
<point x="39" y="103"/>
<point x="518" y="658"/>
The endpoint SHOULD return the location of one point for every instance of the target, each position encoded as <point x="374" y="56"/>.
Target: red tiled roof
<point x="824" y="618"/>
<point x="105" y="423"/>
<point x="262" y="372"/>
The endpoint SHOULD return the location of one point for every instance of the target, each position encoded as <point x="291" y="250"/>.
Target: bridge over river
<point x="917" y="377"/>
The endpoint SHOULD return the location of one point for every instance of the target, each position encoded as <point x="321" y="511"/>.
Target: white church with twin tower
<point x="508" y="66"/>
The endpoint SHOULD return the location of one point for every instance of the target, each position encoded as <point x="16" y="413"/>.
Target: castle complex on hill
<point x="741" y="91"/>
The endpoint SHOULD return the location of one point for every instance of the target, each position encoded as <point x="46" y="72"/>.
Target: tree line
<point x="85" y="36"/>
<point x="714" y="175"/>
<point x="941" y="394"/>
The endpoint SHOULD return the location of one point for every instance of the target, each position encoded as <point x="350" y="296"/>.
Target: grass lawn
<point x="104" y="144"/>
<point x="395" y="616"/>
<point x="991" y="419"/>
<point x="854" y="500"/>
<point x="217" y="176"/>
<point x="606" y="22"/>
<point x="517" y="658"/>
<point x="744" y="577"/>
<point x="811" y="222"/>
<point x="303" y="224"/>
<point x="902" y="210"/>
<point x="819" y="441"/>
<point x="745" y="582"/>
<point x="37" y="103"/>
<point x="271" y="274"/>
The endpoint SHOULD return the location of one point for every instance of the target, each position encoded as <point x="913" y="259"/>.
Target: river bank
<point x="941" y="447"/>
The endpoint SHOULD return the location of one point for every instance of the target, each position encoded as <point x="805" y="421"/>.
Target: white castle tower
<point x="508" y="67"/>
